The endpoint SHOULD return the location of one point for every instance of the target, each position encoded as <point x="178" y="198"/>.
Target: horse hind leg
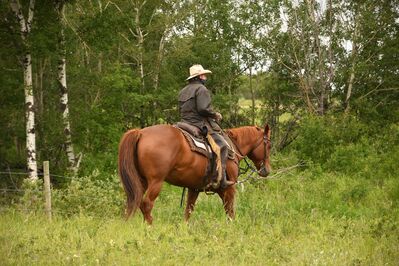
<point x="148" y="200"/>
<point x="191" y="199"/>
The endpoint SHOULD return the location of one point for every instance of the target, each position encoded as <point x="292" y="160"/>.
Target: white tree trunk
<point x="25" y="28"/>
<point x="64" y="96"/>
<point x="159" y="60"/>
<point x="349" y="91"/>
<point x="140" y="40"/>
<point x="351" y="79"/>
<point x="252" y="95"/>
<point x="30" y="119"/>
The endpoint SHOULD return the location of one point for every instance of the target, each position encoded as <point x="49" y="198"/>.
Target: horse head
<point x="254" y="143"/>
<point x="260" y="152"/>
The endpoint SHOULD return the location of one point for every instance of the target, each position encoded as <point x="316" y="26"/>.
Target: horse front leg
<point x="191" y="199"/>
<point x="228" y="196"/>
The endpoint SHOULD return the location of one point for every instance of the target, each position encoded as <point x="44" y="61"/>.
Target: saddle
<point x="198" y="141"/>
<point x="202" y="143"/>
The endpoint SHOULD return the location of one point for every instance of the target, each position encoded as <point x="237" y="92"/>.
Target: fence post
<point x="47" y="190"/>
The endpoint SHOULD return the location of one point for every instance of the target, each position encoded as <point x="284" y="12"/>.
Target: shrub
<point x="91" y="195"/>
<point x="319" y="136"/>
<point x="351" y="158"/>
<point x="343" y="144"/>
<point x="315" y="142"/>
<point x="32" y="199"/>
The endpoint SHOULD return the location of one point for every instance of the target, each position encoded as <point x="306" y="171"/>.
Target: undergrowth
<point x="340" y="206"/>
<point x="305" y="218"/>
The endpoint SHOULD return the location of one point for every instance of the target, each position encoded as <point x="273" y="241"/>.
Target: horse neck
<point x="245" y="138"/>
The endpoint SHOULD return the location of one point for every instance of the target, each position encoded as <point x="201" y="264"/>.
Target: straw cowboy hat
<point x="197" y="70"/>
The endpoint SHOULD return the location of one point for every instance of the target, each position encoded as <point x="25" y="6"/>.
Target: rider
<point x="195" y="109"/>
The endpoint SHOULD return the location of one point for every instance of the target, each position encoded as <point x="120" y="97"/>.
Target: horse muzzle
<point x="263" y="171"/>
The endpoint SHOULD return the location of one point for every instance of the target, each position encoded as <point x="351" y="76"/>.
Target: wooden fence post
<point x="47" y="189"/>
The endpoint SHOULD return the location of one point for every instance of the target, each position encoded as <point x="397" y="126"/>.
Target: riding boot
<point x="224" y="183"/>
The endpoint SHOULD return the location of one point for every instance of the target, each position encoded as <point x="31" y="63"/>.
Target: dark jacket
<point x="195" y="106"/>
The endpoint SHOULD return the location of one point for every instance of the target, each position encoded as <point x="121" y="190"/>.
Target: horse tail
<point x="128" y="172"/>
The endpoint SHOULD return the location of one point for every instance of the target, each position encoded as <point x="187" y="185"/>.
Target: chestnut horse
<point x="152" y="155"/>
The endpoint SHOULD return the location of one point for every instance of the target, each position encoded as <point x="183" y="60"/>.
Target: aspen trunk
<point x="64" y="95"/>
<point x="252" y="95"/>
<point x="159" y="60"/>
<point x="351" y="79"/>
<point x="140" y="40"/>
<point x="64" y="103"/>
<point x="25" y="28"/>
<point x="30" y="119"/>
<point x="140" y="57"/>
<point x="349" y="91"/>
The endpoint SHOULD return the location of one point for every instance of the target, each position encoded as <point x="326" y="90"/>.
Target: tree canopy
<point x="127" y="60"/>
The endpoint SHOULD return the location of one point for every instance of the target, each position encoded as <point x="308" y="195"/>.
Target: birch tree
<point x="73" y="161"/>
<point x="170" y="14"/>
<point x="310" y="56"/>
<point x="25" y="24"/>
<point x="366" y="42"/>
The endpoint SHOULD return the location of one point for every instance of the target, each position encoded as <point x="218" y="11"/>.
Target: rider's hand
<point x="218" y="117"/>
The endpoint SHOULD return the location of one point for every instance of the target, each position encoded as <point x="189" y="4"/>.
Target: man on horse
<point x="196" y="109"/>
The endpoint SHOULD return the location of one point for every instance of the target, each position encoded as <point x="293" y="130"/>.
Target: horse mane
<point x="241" y="133"/>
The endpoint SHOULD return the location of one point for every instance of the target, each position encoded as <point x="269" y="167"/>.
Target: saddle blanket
<point x="202" y="146"/>
<point x="197" y="144"/>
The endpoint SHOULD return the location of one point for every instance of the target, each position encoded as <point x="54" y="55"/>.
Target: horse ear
<point x="267" y="130"/>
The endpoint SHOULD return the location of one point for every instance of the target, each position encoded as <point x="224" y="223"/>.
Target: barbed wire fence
<point x="36" y="193"/>
<point x="46" y="191"/>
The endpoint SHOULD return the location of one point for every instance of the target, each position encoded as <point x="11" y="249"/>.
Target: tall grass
<point x="306" y="218"/>
<point x="341" y="209"/>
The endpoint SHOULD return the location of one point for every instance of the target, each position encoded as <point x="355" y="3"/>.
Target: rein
<point x="250" y="167"/>
<point x="244" y="170"/>
<point x="254" y="171"/>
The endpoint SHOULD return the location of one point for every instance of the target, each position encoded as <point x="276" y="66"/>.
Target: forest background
<point x="323" y="74"/>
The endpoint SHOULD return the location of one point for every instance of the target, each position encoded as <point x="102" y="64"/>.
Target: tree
<point x="73" y="160"/>
<point x="305" y="47"/>
<point x="25" y="24"/>
<point x="369" y="69"/>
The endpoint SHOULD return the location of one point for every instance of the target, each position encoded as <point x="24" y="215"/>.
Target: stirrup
<point x="215" y="185"/>
<point x="226" y="183"/>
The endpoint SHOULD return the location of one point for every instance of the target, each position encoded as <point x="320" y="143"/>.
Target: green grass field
<point x="301" y="219"/>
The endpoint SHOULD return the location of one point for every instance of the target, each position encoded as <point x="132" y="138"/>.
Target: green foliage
<point x="108" y="93"/>
<point x="345" y="144"/>
<point x="31" y="200"/>
<point x="319" y="136"/>
<point x="293" y="218"/>
<point x="90" y="195"/>
<point x="347" y="193"/>
<point x="351" y="158"/>
<point x="316" y="140"/>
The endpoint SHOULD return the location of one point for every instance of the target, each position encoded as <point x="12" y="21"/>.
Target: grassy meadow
<point x="325" y="79"/>
<point x="304" y="218"/>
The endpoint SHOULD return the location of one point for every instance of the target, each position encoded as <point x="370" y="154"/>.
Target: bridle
<point x="265" y="140"/>
<point x="244" y="170"/>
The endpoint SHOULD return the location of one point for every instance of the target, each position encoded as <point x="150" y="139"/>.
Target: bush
<point x="32" y="199"/>
<point x="90" y="195"/>
<point x="319" y="136"/>
<point x="351" y="158"/>
<point x="343" y="144"/>
<point x="316" y="140"/>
